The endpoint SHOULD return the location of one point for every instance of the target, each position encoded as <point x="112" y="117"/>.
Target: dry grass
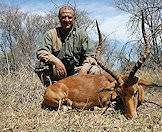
<point x="20" y="110"/>
<point x="152" y="76"/>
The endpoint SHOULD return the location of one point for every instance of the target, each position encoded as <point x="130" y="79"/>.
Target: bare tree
<point x="21" y="34"/>
<point x="153" y="20"/>
<point x="10" y="25"/>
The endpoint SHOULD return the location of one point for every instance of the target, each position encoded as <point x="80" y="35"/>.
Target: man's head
<point x="66" y="17"/>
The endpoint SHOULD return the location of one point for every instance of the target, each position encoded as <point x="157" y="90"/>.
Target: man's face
<point x="67" y="18"/>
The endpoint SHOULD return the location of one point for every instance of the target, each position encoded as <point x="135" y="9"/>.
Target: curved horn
<point x="98" y="52"/>
<point x="145" y="54"/>
<point x="100" y="44"/>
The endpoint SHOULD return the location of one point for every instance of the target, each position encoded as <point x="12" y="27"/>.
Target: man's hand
<point x="60" y="68"/>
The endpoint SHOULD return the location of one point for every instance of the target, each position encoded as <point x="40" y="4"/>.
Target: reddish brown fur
<point x="83" y="91"/>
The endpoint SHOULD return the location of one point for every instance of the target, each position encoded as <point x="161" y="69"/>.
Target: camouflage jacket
<point x="71" y="48"/>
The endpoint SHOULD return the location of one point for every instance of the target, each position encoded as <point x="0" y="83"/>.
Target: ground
<point x="20" y="110"/>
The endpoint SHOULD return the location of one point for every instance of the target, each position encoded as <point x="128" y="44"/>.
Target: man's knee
<point x="84" y="69"/>
<point x="95" y="69"/>
<point x="90" y="69"/>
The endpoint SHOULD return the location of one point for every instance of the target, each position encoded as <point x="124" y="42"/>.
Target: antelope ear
<point x="133" y="81"/>
<point x="141" y="94"/>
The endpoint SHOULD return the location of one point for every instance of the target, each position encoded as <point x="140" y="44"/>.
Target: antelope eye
<point x="109" y="89"/>
<point x="119" y="90"/>
<point x="135" y="93"/>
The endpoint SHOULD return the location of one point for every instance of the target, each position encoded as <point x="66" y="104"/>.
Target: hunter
<point x="65" y="49"/>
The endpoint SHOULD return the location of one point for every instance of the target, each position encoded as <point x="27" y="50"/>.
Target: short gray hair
<point x="68" y="7"/>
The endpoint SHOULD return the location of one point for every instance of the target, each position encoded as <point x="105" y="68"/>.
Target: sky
<point x="112" y="21"/>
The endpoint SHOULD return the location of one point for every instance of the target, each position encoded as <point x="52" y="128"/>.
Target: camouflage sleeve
<point x="87" y="44"/>
<point x="88" y="48"/>
<point x="45" y="51"/>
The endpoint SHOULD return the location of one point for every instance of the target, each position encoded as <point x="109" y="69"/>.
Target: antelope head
<point x="128" y="87"/>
